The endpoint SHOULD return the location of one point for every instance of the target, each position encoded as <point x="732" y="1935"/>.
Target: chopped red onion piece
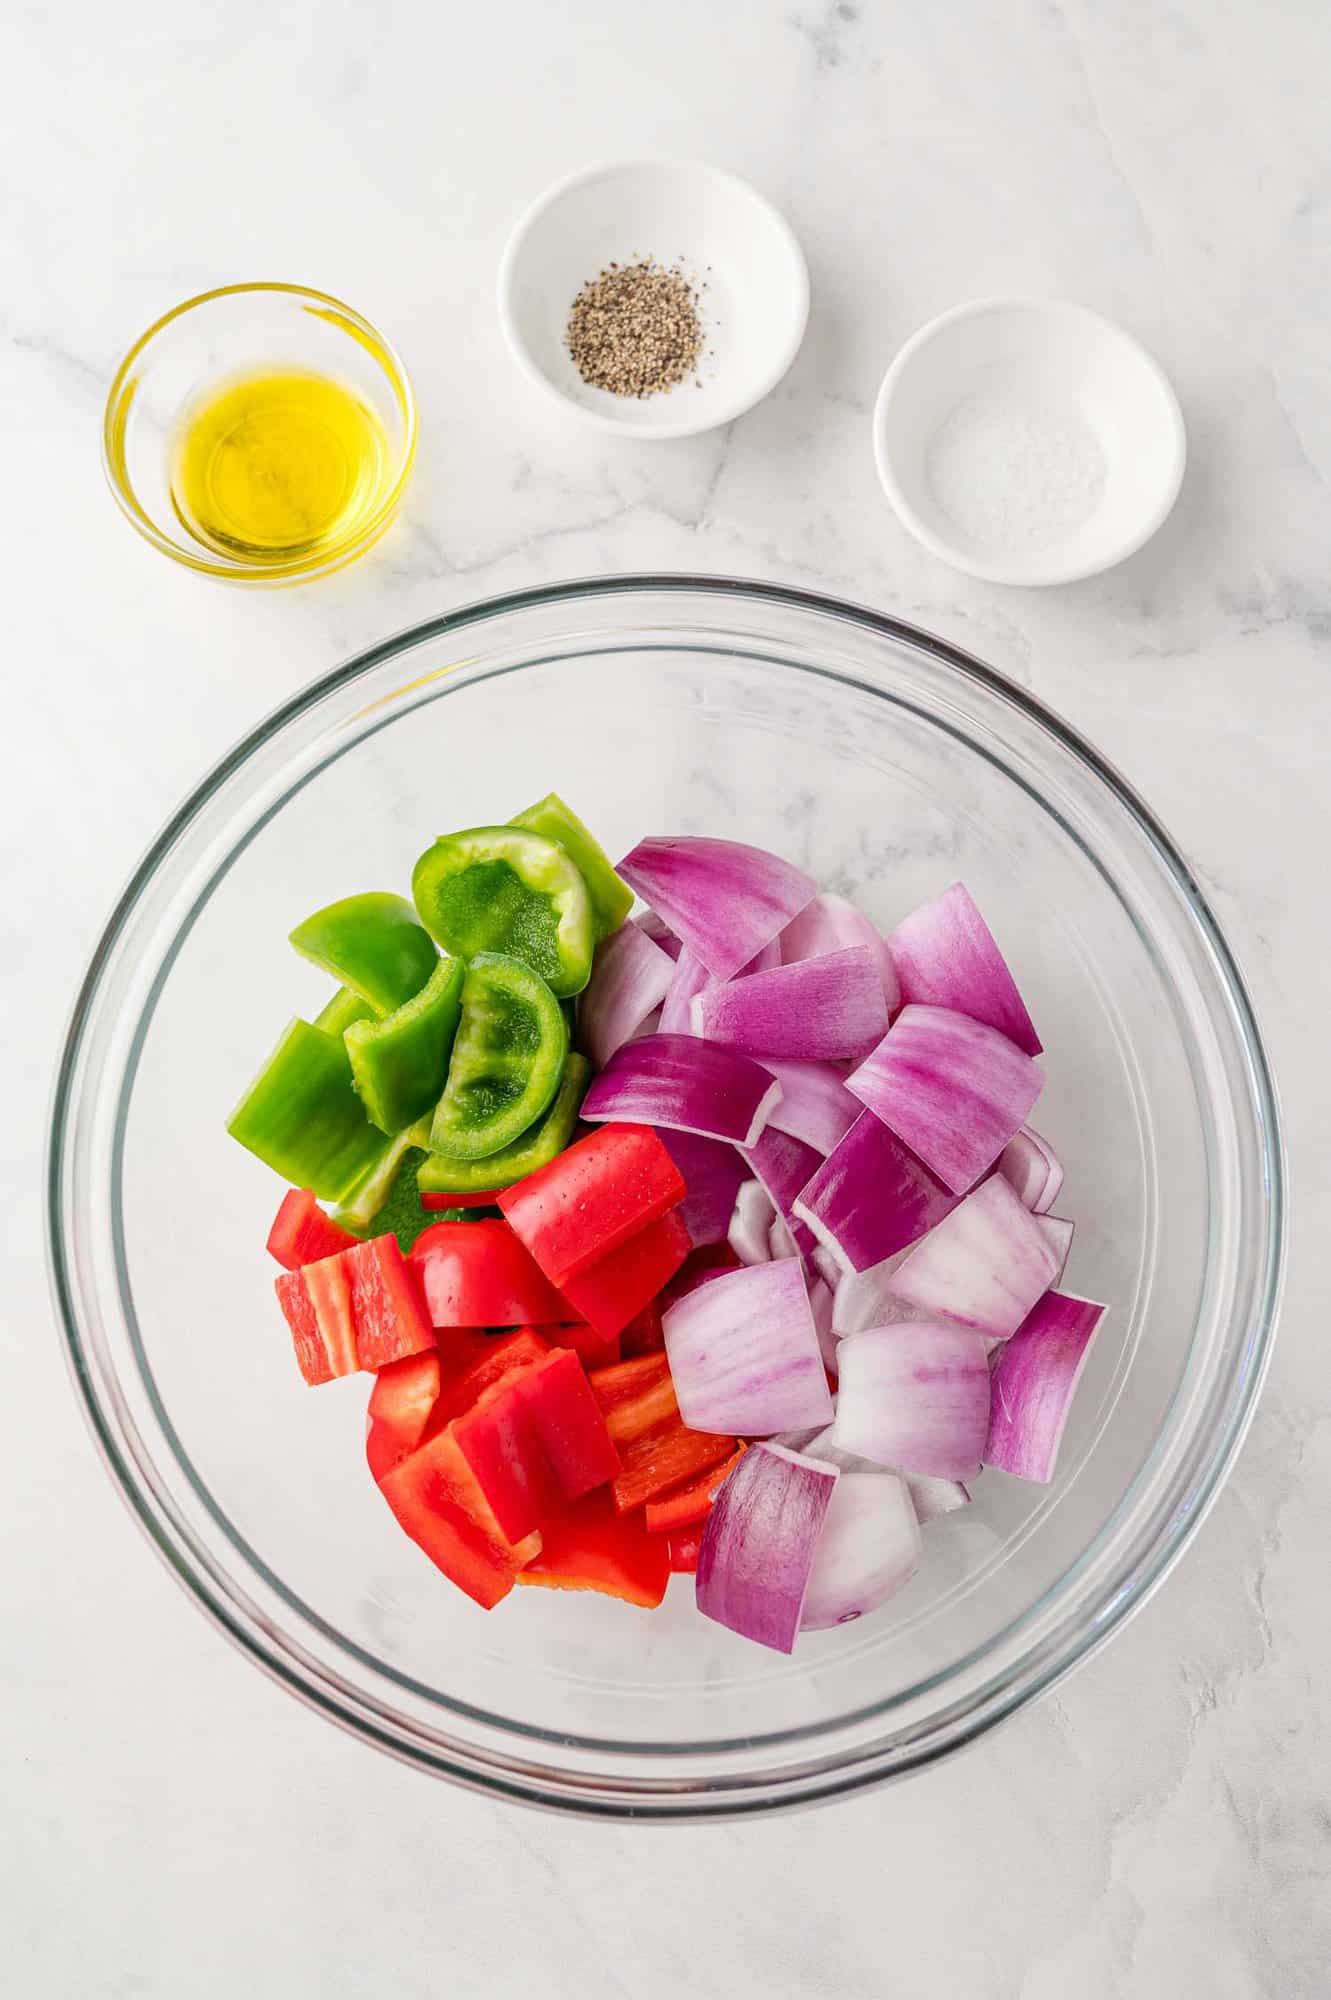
<point x="915" y="1397"/>
<point x="820" y="1305"/>
<point x="698" y="1268"/>
<point x="687" y="1085"/>
<point x="887" y="972"/>
<point x="869" y="1548"/>
<point x="826" y="1265"/>
<point x="651" y="1026"/>
<point x="823" y="1445"/>
<point x="659" y="933"/>
<point x="819" y="1009"/>
<point x="932" y="1498"/>
<point x="749" y="1231"/>
<point x="815" y="1104"/>
<point x="783" y="1165"/>
<point x="760" y="1542"/>
<point x="691" y="977"/>
<point x="946" y="956"/>
<point x="1035" y="1379"/>
<point x="793" y="1239"/>
<point x="712" y="1174"/>
<point x="796" y="1440"/>
<point x="953" y="1090"/>
<point x="781" y="1239"/>
<point x="864" y="1299"/>
<point x="1033" y="1168"/>
<point x="984" y="1265"/>
<point x="630" y="977"/>
<point x="804" y="1240"/>
<point x="744" y="1354"/>
<point x="724" y="899"/>
<point x="1057" y="1233"/>
<point x="763" y="960"/>
<point x="871" y="1197"/>
<point x="830" y="923"/>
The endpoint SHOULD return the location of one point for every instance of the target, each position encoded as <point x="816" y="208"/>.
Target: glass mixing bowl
<point x="888" y="764"/>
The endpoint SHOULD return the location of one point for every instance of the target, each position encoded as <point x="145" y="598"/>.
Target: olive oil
<point x="278" y="463"/>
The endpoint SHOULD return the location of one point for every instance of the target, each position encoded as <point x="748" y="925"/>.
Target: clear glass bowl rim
<point x="820" y="1778"/>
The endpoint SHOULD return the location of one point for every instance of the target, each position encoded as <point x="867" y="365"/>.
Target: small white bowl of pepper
<point x="654" y="298"/>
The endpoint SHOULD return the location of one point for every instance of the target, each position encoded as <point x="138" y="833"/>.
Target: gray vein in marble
<point x="1287" y="601"/>
<point x="47" y="348"/>
<point x="1077" y="49"/>
<point x="1321" y="473"/>
<point x="711" y="484"/>
<point x="826" y="33"/>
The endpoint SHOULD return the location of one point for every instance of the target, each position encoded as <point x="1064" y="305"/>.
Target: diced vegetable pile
<point x="712" y="1239"/>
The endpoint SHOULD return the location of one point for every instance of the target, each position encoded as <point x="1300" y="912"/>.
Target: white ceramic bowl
<point x="1028" y="440"/>
<point x="723" y="232"/>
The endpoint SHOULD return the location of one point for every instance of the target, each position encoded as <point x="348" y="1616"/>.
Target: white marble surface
<point x="172" y="1824"/>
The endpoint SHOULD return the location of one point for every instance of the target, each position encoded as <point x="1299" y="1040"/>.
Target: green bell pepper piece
<point x="508" y="1058"/>
<point x="440" y="1173"/>
<point x="373" y="944"/>
<point x="612" y="898"/>
<point x="504" y="890"/>
<point x="400" y="1065"/>
<point x="400" y="1213"/>
<point x="302" y="1117"/>
<point x="344" y="1008"/>
<point x="364" y="1200"/>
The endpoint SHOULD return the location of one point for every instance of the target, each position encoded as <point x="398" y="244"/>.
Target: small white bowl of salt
<point x="1028" y="440"/>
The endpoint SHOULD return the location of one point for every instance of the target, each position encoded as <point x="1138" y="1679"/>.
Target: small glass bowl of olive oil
<point x="261" y="433"/>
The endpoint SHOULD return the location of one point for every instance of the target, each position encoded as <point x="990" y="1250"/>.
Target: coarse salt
<point x="1015" y="473"/>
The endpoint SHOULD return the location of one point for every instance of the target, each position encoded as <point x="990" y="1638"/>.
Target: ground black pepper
<point x="635" y="330"/>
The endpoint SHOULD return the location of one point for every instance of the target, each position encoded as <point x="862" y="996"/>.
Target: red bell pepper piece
<point x="690" y="1503"/>
<point x="644" y="1333"/>
<point x="635" y="1396"/>
<point x="593" y="1197"/>
<point x="610" y="1292"/>
<point x="437" y="1499"/>
<point x="358" y="1309"/>
<point x="401" y="1401"/>
<point x="329" y="1288"/>
<point x="293" y="1295"/>
<point x="302" y="1232"/>
<point x="500" y="1439"/>
<point x="317" y="1303"/>
<point x="591" y="1350"/>
<point x="664" y="1458"/>
<point x="475" y="1363"/>
<point x="386" y="1304"/>
<point x="587" y="1546"/>
<point x="684" y="1545"/>
<point x="536" y="1440"/>
<point x="478" y="1274"/>
<point x="571" y="1426"/>
<point x="700" y="1265"/>
<point x="433" y="1201"/>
